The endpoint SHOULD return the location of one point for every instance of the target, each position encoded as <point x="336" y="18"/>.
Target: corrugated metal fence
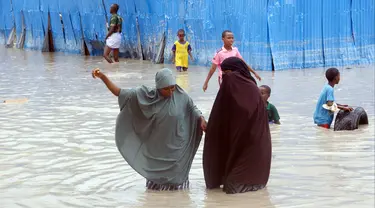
<point x="279" y="34"/>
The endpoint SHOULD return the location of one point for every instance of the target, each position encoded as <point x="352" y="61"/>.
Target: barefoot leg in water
<point x="107" y="51"/>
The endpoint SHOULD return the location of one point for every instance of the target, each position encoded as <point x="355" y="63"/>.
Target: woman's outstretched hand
<point x="112" y="87"/>
<point x="203" y="124"/>
<point x="97" y="73"/>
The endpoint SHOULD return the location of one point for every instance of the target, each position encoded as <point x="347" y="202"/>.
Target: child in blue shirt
<point x="324" y="117"/>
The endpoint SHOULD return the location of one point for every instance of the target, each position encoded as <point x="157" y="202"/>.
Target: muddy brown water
<point x="57" y="144"/>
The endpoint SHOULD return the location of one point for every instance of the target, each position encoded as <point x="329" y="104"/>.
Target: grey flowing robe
<point x="157" y="136"/>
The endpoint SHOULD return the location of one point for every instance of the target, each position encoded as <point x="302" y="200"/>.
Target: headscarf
<point x="237" y="65"/>
<point x="164" y="78"/>
<point x="158" y="137"/>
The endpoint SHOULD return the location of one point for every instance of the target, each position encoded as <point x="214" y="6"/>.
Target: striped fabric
<point x="241" y="188"/>
<point x="167" y="187"/>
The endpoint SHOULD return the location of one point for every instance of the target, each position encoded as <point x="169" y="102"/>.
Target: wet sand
<point x="57" y="148"/>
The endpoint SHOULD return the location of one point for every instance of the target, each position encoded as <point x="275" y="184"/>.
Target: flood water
<point x="57" y="146"/>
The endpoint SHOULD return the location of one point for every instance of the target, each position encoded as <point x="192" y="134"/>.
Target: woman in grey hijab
<point x="158" y="130"/>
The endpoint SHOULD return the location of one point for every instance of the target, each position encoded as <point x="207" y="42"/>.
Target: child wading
<point x="324" y="117"/>
<point x="181" y="51"/>
<point x="225" y="52"/>
<point x="273" y="115"/>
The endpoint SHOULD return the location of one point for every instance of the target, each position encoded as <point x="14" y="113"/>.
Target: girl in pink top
<point x="225" y="52"/>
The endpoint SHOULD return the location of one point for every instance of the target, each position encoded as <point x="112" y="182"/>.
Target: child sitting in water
<point x="273" y="115"/>
<point x="324" y="117"/>
<point x="181" y="49"/>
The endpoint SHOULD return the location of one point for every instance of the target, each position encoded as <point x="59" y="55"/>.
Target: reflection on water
<point x="58" y="150"/>
<point x="182" y="79"/>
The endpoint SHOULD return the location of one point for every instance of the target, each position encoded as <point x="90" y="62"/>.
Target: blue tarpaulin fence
<point x="270" y="34"/>
<point x="6" y="20"/>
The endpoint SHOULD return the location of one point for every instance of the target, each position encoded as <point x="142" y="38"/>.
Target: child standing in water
<point x="273" y="115"/>
<point x="181" y="51"/>
<point x="324" y="117"/>
<point x="225" y="52"/>
<point x="113" y="38"/>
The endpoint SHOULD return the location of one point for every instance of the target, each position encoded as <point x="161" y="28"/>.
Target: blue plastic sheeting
<point x="254" y="45"/>
<point x="151" y="20"/>
<point x="363" y="19"/>
<point x="312" y="31"/>
<point x="6" y="20"/>
<point x="33" y="18"/>
<point x="285" y="26"/>
<point x="296" y="31"/>
<point x="18" y="16"/>
<point x="93" y="23"/>
<point x="35" y="30"/>
<point x="270" y="34"/>
<point x="72" y="25"/>
<point x="52" y="7"/>
<point x="337" y="33"/>
<point x="93" y="19"/>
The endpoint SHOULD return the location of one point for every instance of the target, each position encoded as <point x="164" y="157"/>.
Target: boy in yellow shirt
<point x="181" y="51"/>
